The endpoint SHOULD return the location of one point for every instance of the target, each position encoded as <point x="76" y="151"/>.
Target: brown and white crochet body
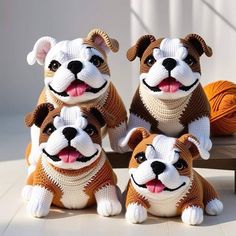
<point x="163" y="182"/>
<point x="170" y="117"/>
<point x="170" y="99"/>
<point x="73" y="189"/>
<point x="77" y="73"/>
<point x="73" y="171"/>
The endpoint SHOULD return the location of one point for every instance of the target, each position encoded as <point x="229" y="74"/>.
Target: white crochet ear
<point x="40" y="50"/>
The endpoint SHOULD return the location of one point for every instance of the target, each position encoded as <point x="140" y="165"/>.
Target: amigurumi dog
<point x="162" y="179"/>
<point x="77" y="73"/>
<point x="72" y="171"/>
<point x="170" y="98"/>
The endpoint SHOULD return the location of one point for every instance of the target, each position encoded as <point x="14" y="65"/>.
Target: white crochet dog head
<point x="169" y="68"/>
<point x="77" y="70"/>
<point x="69" y="137"/>
<point x="161" y="166"/>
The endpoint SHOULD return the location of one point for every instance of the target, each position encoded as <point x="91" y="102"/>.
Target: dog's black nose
<point x="69" y="133"/>
<point x="75" y="67"/>
<point x="169" y="63"/>
<point x="158" y="167"/>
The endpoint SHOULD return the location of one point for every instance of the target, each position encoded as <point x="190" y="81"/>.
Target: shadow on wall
<point x="226" y="21"/>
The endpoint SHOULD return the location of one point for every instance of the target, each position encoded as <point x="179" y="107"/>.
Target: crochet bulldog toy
<point x="77" y="73"/>
<point x="163" y="182"/>
<point x="73" y="171"/>
<point x="170" y="99"/>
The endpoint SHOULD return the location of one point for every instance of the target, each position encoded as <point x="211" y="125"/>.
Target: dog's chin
<point x="169" y="88"/>
<point x="79" y="92"/>
<point x="71" y="159"/>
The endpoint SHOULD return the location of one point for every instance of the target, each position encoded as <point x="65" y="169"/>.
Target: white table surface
<point x="14" y="220"/>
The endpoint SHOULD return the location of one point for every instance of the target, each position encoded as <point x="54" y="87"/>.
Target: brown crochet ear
<point x="134" y="137"/>
<point x="190" y="145"/>
<point x="38" y="115"/>
<point x="199" y="44"/>
<point x="98" y="116"/>
<point x="101" y="39"/>
<point x="141" y="45"/>
<point x="193" y="145"/>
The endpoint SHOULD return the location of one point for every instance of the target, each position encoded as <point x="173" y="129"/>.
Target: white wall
<point x="214" y="20"/>
<point x="22" y="22"/>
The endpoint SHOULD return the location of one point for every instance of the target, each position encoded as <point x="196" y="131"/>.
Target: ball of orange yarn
<point x="222" y="97"/>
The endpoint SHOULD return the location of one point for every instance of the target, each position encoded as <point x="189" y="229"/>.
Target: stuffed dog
<point x="73" y="171"/>
<point x="170" y="99"/>
<point x="77" y="72"/>
<point x="162" y="179"/>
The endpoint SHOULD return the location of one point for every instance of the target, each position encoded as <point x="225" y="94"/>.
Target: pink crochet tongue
<point x="169" y="85"/>
<point x="76" y="88"/>
<point x="69" y="155"/>
<point x="155" y="186"/>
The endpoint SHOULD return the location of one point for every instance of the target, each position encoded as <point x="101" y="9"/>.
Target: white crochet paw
<point x="37" y="209"/>
<point x="26" y="192"/>
<point x="205" y="143"/>
<point x="135" y="213"/>
<point x="108" y="207"/>
<point x="192" y="215"/>
<point x="40" y="201"/>
<point x="214" y="207"/>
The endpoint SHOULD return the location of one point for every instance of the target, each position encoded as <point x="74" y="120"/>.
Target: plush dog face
<point x="169" y="68"/>
<point x="160" y="166"/>
<point x="77" y="70"/>
<point x="69" y="138"/>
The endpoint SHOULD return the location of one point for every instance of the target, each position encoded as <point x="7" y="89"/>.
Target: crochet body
<point x="170" y="117"/>
<point x="74" y="189"/>
<point x="199" y="193"/>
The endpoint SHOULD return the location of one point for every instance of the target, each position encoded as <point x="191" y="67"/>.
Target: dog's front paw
<point x="26" y="192"/>
<point x="37" y="209"/>
<point x="192" y="215"/>
<point x="40" y="202"/>
<point x="136" y="213"/>
<point x="109" y="207"/>
<point x="214" y="207"/>
<point x="205" y="143"/>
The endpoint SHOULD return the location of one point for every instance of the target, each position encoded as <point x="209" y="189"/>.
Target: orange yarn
<point x="222" y="97"/>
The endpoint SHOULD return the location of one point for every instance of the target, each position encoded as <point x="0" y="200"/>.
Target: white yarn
<point x="135" y="213"/>
<point x="214" y="207"/>
<point x="40" y="201"/>
<point x="107" y="201"/>
<point x="192" y="215"/>
<point x="200" y="128"/>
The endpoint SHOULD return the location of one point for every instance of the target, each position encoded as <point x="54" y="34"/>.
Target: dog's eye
<point x="50" y="128"/>
<point x="96" y="60"/>
<point x="180" y="164"/>
<point x="140" y="157"/>
<point x="190" y="60"/>
<point x="54" y="65"/>
<point x="150" y="60"/>
<point x="90" y="130"/>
